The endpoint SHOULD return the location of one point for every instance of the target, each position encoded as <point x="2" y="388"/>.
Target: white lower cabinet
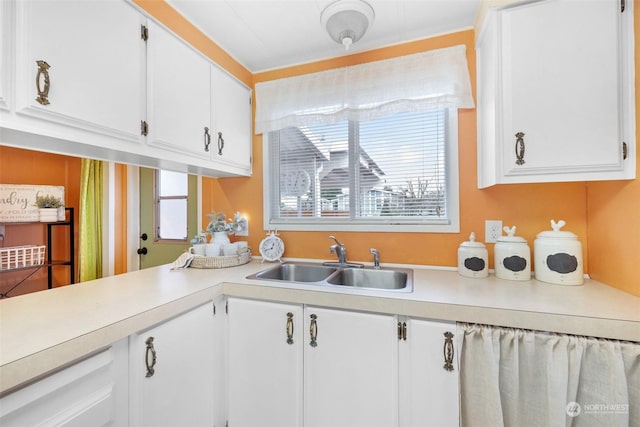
<point x="172" y="368"/>
<point x="429" y="372"/>
<point x="293" y="365"/>
<point x="264" y="364"/>
<point x="350" y="369"/>
<point x="91" y="392"/>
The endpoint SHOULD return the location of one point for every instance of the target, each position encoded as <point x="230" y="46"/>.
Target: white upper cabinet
<point x="555" y="98"/>
<point x="79" y="65"/>
<point x="178" y="95"/>
<point x="194" y="108"/>
<point x="231" y="138"/>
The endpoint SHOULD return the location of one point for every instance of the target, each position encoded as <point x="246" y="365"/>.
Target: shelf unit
<point x="50" y="262"/>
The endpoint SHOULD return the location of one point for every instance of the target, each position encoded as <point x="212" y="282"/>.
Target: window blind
<point x="387" y="170"/>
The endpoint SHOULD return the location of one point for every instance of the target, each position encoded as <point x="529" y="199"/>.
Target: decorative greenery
<point x="219" y="223"/>
<point x="48" y="201"/>
<point x="199" y="238"/>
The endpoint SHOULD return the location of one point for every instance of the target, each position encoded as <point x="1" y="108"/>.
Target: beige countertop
<point x="43" y="331"/>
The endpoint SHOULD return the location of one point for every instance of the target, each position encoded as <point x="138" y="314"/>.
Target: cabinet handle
<point x="313" y="331"/>
<point x="220" y="143"/>
<point x="402" y="331"/>
<point x="289" y="328"/>
<point x="448" y="351"/>
<point x="520" y="148"/>
<point x="43" y="73"/>
<point x="150" y="350"/>
<point x="207" y="139"/>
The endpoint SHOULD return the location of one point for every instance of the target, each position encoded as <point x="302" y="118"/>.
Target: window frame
<point x="157" y="198"/>
<point x="431" y="225"/>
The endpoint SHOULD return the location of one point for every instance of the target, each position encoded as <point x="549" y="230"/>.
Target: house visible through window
<point x="171" y="205"/>
<point x="395" y="173"/>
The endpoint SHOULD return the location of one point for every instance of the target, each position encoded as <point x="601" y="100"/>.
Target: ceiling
<point x="270" y="34"/>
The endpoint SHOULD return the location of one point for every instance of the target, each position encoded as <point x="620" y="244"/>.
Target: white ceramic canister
<point x="558" y="256"/>
<point x="512" y="256"/>
<point x="473" y="258"/>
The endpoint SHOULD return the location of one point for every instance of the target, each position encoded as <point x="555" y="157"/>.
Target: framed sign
<point x="18" y="202"/>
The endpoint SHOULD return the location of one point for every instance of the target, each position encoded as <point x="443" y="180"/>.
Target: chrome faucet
<point x="376" y="258"/>
<point x="339" y="249"/>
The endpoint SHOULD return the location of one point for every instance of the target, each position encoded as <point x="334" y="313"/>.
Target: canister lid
<point x="471" y="243"/>
<point x="511" y="237"/>
<point x="556" y="233"/>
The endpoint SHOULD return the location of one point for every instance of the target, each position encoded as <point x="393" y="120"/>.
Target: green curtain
<point x="90" y="240"/>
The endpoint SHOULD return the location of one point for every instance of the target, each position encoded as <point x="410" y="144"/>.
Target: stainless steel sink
<point x="392" y="279"/>
<point x="369" y="278"/>
<point x="295" y="272"/>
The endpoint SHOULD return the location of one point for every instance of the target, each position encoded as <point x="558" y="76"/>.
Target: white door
<point x="231" y="140"/>
<point x="428" y="374"/>
<point x="172" y="371"/>
<point x="178" y="95"/>
<point x="264" y="364"/>
<point x="350" y="369"/>
<point x="94" y="65"/>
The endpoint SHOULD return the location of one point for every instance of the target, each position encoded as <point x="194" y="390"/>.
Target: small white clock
<point x="271" y="247"/>
<point x="297" y="183"/>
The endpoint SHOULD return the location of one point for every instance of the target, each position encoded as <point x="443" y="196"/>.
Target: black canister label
<point x="514" y="263"/>
<point x="474" y="264"/>
<point x="562" y="263"/>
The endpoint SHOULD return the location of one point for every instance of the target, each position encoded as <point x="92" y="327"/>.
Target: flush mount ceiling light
<point x="346" y="21"/>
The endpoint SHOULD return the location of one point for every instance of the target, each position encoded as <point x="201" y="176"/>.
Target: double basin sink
<point x="392" y="279"/>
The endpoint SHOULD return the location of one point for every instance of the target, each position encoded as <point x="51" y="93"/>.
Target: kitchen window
<point x="368" y="147"/>
<point x="393" y="173"/>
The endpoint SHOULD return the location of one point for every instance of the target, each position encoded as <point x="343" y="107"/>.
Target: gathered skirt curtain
<point x="514" y="377"/>
<point x="90" y="239"/>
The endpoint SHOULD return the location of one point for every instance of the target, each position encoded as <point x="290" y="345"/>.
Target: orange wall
<point x="31" y="167"/>
<point x="613" y="215"/>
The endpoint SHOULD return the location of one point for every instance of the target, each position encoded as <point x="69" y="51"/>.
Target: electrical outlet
<point x="492" y="230"/>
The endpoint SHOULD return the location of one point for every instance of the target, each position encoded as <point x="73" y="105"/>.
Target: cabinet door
<point x="94" y="66"/>
<point x="90" y="392"/>
<point x="178" y="95"/>
<point x="172" y="371"/>
<point x="555" y="87"/>
<point x="264" y="364"/>
<point x="232" y="120"/>
<point x="350" y="369"/>
<point x="428" y="389"/>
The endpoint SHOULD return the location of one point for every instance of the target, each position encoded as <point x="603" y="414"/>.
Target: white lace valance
<point x="424" y="81"/>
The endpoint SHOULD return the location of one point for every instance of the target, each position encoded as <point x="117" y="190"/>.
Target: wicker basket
<point x="21" y="256"/>
<point x="220" y="261"/>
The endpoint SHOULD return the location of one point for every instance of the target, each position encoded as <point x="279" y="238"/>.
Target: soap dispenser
<point x="473" y="258"/>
